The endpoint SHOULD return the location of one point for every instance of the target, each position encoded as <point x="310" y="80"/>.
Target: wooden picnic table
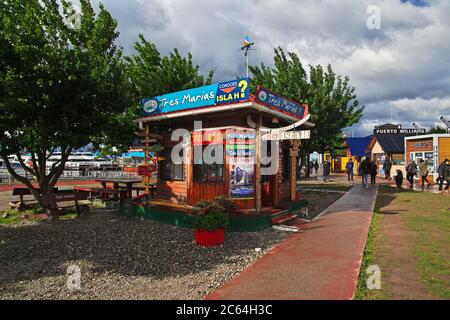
<point x="103" y="192"/>
<point x="116" y="182"/>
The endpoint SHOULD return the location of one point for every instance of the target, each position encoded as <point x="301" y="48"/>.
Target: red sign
<point x="147" y="171"/>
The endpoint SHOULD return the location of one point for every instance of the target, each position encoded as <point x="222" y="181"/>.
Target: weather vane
<point x="247" y="46"/>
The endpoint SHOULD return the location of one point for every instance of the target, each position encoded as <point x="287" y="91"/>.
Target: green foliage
<point x="153" y="75"/>
<point x="212" y="221"/>
<point x="59" y="86"/>
<point x="220" y="204"/>
<point x="436" y="129"/>
<point x="37" y="209"/>
<point x="9" y="217"/>
<point x="333" y="102"/>
<point x="203" y="204"/>
<point x="213" y="215"/>
<point x="225" y="202"/>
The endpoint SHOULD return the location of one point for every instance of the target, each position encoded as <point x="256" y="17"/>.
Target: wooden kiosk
<point x="224" y="123"/>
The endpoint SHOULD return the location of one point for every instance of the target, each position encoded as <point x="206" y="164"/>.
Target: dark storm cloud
<point x="404" y="66"/>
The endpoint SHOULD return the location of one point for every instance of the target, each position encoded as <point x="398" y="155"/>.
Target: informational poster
<point x="241" y="152"/>
<point x="242" y="178"/>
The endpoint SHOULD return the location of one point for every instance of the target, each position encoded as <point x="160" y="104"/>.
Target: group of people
<point x="413" y="170"/>
<point x="368" y="168"/>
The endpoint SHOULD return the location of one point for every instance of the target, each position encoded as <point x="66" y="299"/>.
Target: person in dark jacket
<point x="326" y="170"/>
<point x="365" y="170"/>
<point x="411" y="170"/>
<point x="349" y="169"/>
<point x="316" y="167"/>
<point x="444" y="175"/>
<point x="373" y="172"/>
<point x="399" y="179"/>
<point x="387" y="165"/>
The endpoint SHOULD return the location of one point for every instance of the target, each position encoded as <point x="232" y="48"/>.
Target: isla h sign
<point x="219" y="93"/>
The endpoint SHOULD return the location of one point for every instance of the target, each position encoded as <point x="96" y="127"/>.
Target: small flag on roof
<point x="246" y="41"/>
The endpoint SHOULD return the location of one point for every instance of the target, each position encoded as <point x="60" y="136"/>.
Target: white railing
<point x="5" y="177"/>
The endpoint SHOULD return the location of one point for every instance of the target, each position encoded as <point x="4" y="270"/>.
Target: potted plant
<point x="210" y="228"/>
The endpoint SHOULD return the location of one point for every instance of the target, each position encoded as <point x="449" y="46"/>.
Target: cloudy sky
<point x="401" y="70"/>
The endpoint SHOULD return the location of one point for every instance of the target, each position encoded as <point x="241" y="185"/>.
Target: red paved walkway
<point x="322" y="262"/>
<point x="7" y="187"/>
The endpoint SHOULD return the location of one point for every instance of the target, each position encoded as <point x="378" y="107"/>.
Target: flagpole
<point x="247" y="64"/>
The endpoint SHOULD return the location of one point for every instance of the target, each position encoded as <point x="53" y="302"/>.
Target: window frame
<point x="162" y="174"/>
<point x="203" y="166"/>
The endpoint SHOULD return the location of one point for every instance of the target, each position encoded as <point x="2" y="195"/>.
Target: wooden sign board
<point x="144" y="141"/>
<point x="288" y="135"/>
<point x="150" y="135"/>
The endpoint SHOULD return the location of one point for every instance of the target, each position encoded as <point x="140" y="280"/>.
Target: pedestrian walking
<point x="444" y="175"/>
<point x="316" y="167"/>
<point x="326" y="170"/>
<point x="387" y="165"/>
<point x="349" y="167"/>
<point x="423" y="169"/>
<point x="373" y="172"/>
<point x="365" y="170"/>
<point x="411" y="170"/>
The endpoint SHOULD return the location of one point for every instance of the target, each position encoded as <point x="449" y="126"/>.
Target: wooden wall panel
<point x="444" y="149"/>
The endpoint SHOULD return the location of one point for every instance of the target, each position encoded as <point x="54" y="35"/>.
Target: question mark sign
<point x="243" y="84"/>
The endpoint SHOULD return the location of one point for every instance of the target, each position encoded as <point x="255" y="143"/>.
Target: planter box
<point x="209" y="238"/>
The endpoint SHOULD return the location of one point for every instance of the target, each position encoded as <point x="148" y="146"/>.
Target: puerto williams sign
<point x="399" y="131"/>
<point x="219" y="93"/>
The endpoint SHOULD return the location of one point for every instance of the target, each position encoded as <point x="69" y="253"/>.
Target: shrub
<point x="211" y="222"/>
<point x="203" y="204"/>
<point x="225" y="202"/>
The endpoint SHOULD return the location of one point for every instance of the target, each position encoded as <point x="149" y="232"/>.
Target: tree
<point x="60" y="87"/>
<point x="436" y="129"/>
<point x="152" y="75"/>
<point x="332" y="101"/>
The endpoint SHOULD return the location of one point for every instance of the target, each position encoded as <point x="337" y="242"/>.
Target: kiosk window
<point x="169" y="170"/>
<point x="209" y="173"/>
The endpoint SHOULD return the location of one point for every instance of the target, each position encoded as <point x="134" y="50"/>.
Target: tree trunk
<point x="48" y="203"/>
<point x="45" y="196"/>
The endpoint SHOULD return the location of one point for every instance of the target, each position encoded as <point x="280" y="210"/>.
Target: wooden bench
<point x="138" y="189"/>
<point x="72" y="199"/>
<point x="103" y="192"/>
<point x="24" y="204"/>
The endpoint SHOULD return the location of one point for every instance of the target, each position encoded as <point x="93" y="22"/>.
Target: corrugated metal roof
<point x="393" y="143"/>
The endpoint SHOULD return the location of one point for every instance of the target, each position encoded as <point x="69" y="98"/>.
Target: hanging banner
<point x="272" y="100"/>
<point x="219" y="93"/>
<point x="242" y="178"/>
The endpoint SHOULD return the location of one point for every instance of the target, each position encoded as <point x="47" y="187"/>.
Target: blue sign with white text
<point x="272" y="100"/>
<point x="219" y="93"/>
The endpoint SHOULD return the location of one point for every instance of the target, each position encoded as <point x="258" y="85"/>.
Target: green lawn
<point x="425" y="218"/>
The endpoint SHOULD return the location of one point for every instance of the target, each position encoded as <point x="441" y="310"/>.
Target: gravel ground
<point x="120" y="259"/>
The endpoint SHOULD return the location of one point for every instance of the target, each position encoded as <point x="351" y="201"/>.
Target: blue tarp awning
<point x="358" y="146"/>
<point x="134" y="154"/>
